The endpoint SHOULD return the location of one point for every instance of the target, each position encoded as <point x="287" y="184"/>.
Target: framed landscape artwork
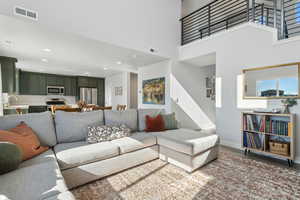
<point x="154" y="91"/>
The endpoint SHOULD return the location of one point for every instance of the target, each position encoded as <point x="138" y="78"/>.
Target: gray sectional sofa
<point x="72" y="162"/>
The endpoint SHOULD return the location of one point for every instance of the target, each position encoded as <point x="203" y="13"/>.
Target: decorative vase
<point x="286" y="109"/>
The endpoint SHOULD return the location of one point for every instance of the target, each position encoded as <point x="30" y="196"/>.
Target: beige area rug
<point x="231" y="176"/>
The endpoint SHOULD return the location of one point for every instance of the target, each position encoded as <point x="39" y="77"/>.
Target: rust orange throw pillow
<point x="154" y="124"/>
<point x="25" y="138"/>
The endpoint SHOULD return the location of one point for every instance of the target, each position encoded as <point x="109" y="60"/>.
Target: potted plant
<point x="287" y="103"/>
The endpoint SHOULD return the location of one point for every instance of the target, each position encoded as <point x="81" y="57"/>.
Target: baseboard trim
<point x="230" y="144"/>
<point x="238" y="146"/>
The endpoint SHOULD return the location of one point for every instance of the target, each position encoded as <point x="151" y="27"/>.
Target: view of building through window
<point x="277" y="87"/>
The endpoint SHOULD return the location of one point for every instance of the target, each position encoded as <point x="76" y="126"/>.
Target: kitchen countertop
<point x="13" y="107"/>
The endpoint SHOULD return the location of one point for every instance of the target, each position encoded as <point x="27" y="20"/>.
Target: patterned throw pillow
<point x="170" y="121"/>
<point x="106" y="133"/>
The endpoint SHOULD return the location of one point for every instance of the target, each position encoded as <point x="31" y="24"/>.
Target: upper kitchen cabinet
<point x="83" y="81"/>
<point x="70" y="84"/>
<point x="60" y="80"/>
<point x="93" y="82"/>
<point x="51" y="80"/>
<point x="101" y="91"/>
<point x="32" y="83"/>
<point x="8" y="71"/>
<point x="89" y="82"/>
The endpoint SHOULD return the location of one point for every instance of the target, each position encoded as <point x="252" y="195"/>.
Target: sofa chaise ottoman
<point x="187" y="149"/>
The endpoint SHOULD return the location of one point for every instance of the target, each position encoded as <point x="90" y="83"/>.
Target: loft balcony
<point x="219" y="15"/>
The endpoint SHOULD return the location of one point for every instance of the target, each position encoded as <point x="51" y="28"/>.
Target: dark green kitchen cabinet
<point x="51" y="80"/>
<point x="55" y="80"/>
<point x="70" y="86"/>
<point x="83" y="81"/>
<point x="101" y="91"/>
<point x="93" y="82"/>
<point x="8" y="72"/>
<point x="89" y="82"/>
<point x="32" y="83"/>
<point x="60" y="80"/>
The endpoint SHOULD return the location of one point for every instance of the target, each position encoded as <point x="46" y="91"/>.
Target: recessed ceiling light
<point x="119" y="62"/>
<point x="8" y="42"/>
<point x="87" y="73"/>
<point x="134" y="55"/>
<point x="47" y="50"/>
<point x="44" y="60"/>
<point x="105" y="68"/>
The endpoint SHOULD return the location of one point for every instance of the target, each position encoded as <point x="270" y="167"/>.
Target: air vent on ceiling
<point x="29" y="14"/>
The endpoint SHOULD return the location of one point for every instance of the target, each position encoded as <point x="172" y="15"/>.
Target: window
<point x="266" y="88"/>
<point x="298" y="12"/>
<point x="287" y="86"/>
<point x="263" y="20"/>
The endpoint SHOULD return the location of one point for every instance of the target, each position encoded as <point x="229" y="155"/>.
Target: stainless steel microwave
<point x="55" y="90"/>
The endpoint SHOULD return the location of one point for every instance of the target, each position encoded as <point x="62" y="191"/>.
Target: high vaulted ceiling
<point x="42" y="50"/>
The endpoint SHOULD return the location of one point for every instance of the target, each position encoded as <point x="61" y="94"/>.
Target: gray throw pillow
<point x="10" y="157"/>
<point x="106" y="133"/>
<point x="170" y="121"/>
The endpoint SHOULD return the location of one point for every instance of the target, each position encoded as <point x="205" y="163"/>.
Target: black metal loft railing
<point x="223" y="14"/>
<point x="291" y="18"/>
<point x="216" y="16"/>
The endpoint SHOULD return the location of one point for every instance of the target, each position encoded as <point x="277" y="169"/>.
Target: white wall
<point x="189" y="6"/>
<point x="117" y="80"/>
<point x="135" y="24"/>
<point x="158" y="70"/>
<point x="246" y="46"/>
<point x="1" y="103"/>
<point x="188" y="94"/>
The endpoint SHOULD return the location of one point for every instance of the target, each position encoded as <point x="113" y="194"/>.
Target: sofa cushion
<point x="47" y="156"/>
<point x="116" y="118"/>
<point x="75" y="154"/>
<point x="135" y="142"/>
<point x="41" y="123"/>
<point x="34" y="180"/>
<point x="142" y="116"/>
<point x="187" y="141"/>
<point x="73" y="127"/>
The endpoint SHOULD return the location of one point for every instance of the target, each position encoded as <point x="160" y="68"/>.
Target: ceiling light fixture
<point x="134" y="55"/>
<point x="44" y="60"/>
<point x="8" y="42"/>
<point x="105" y="68"/>
<point x="119" y="62"/>
<point x="47" y="50"/>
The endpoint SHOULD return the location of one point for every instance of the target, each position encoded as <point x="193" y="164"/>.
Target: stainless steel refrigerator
<point x="89" y="95"/>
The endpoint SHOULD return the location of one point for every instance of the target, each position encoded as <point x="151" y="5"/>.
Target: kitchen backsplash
<point x="38" y="100"/>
